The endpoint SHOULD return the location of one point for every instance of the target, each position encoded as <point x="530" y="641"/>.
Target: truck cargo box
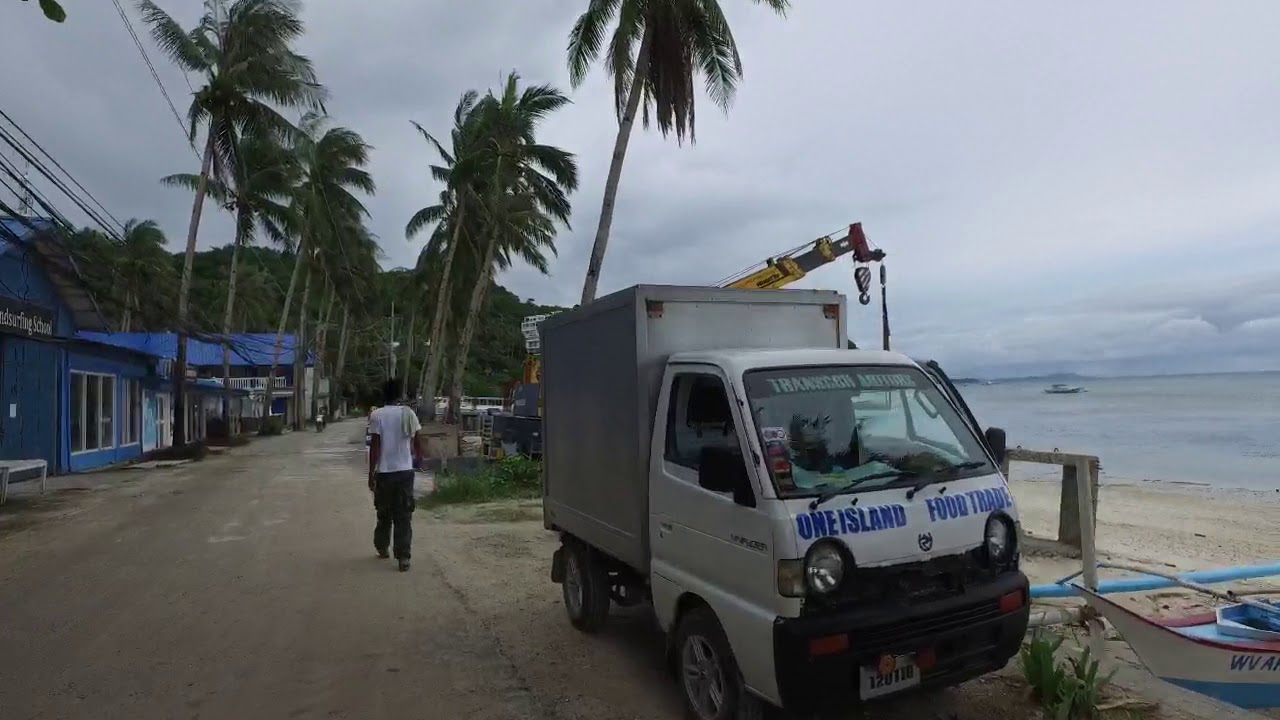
<point x="602" y="368"/>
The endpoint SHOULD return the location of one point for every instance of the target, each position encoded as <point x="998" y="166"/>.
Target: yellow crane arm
<point x="783" y="270"/>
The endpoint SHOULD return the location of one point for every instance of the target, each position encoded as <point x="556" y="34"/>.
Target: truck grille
<point x="912" y="583"/>
<point x="908" y="632"/>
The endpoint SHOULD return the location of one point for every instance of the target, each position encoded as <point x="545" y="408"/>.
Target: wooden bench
<point x="21" y="471"/>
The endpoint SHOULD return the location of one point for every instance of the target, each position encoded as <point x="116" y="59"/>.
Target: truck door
<point x="702" y="541"/>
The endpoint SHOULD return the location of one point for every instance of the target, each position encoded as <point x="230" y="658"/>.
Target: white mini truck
<point x="815" y="526"/>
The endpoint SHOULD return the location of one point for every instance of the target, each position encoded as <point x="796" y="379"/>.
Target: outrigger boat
<point x="1232" y="654"/>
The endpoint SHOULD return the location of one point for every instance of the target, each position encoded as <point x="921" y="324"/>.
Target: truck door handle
<point x="664" y="527"/>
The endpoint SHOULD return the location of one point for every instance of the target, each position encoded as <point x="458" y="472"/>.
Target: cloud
<point x="1056" y="187"/>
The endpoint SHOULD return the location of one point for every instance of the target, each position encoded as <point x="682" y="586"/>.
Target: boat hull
<point x="1193" y="654"/>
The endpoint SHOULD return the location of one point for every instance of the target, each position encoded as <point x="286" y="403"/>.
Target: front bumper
<point x="969" y="635"/>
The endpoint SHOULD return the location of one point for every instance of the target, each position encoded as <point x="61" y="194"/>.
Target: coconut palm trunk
<point x="284" y="320"/>
<point x="463" y="346"/>
<point x="435" y="348"/>
<point x="322" y="330"/>
<point x="300" y="352"/>
<point x="227" y="317"/>
<point x="184" y="298"/>
<point x="620" y="144"/>
<point x="335" y="382"/>
<point x="126" y="321"/>
<point x="408" y="348"/>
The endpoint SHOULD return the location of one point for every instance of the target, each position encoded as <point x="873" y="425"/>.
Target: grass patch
<point x="511" y="478"/>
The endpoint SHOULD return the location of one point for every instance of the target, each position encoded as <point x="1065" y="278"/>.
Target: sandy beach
<point x="1168" y="527"/>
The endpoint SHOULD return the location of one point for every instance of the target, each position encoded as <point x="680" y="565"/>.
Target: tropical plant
<point x="331" y="162"/>
<point x="244" y="54"/>
<point x="657" y="48"/>
<point x="52" y="10"/>
<point x="523" y="189"/>
<point x="141" y="266"/>
<point x="257" y="196"/>
<point x="132" y="268"/>
<point x="458" y="172"/>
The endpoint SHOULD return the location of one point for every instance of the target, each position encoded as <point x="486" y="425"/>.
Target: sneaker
<point x="404" y="566"/>
<point x="383" y="554"/>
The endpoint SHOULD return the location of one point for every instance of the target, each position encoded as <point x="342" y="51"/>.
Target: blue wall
<point x="30" y="387"/>
<point x="23" y="279"/>
<point x="120" y="365"/>
<point x="31" y="370"/>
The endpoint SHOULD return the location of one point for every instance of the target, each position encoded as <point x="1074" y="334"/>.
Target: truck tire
<point x="710" y="681"/>
<point x="585" y="588"/>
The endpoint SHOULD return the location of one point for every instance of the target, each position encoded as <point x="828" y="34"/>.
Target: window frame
<point x="80" y="439"/>
<point x="674" y="401"/>
<point x="130" y="411"/>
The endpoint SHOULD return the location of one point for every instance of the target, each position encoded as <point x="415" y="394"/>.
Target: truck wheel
<point x="585" y="588"/>
<point x="709" y="677"/>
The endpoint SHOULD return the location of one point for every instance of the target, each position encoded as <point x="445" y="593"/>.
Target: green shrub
<point x="514" y="477"/>
<point x="272" y="426"/>
<point x="1067" y="690"/>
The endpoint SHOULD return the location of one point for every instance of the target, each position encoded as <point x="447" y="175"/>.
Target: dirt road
<point x="245" y="586"/>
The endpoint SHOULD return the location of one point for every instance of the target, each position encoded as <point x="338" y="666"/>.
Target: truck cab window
<point x="698" y="416"/>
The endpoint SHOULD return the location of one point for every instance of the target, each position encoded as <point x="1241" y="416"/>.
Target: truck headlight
<point x="999" y="538"/>
<point x="824" y="567"/>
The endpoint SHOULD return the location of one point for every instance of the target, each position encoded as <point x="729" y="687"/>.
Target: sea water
<point x="1217" y="430"/>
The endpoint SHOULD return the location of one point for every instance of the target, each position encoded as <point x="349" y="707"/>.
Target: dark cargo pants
<point x="393" y="500"/>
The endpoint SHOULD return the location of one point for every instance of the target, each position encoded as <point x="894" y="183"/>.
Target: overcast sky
<point x="1058" y="187"/>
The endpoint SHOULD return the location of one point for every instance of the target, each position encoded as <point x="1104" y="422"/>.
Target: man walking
<point x="394" y="448"/>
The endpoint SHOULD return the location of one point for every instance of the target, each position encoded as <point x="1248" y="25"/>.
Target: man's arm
<point x="418" y="442"/>
<point x="375" y="452"/>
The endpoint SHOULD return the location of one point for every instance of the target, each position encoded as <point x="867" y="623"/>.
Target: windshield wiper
<point x="928" y="478"/>
<point x="833" y="492"/>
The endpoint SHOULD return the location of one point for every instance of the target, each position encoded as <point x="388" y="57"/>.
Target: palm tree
<point x="523" y="188"/>
<point x="677" y="39"/>
<point x="331" y="165"/>
<point x="141" y="266"/>
<point x="245" y="56"/>
<point x="264" y="173"/>
<point x="458" y="172"/>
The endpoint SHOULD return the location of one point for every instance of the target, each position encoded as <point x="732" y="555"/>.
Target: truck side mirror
<point x="722" y="470"/>
<point x="998" y="442"/>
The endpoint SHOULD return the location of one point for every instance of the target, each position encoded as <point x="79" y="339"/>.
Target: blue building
<point x="74" y="394"/>
<point x="251" y="358"/>
<point x="72" y="402"/>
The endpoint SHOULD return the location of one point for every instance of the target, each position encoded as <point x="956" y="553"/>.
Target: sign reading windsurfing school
<point x="23" y="318"/>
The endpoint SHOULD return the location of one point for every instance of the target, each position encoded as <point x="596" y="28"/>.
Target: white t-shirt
<point x="397" y="447"/>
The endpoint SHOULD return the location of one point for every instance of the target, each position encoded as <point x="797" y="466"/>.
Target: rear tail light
<point x="828" y="645"/>
<point x="831" y="312"/>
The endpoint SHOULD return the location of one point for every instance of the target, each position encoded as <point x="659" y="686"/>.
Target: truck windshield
<point x="858" y="428"/>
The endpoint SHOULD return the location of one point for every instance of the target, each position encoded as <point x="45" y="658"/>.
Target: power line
<point x="124" y="17"/>
<point x="44" y="171"/>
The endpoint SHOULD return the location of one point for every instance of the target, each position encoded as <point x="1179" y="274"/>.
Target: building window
<point x="92" y="411"/>
<point x="131" y="412"/>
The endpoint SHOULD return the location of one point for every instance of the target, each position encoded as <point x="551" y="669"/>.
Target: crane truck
<point x="814" y="527"/>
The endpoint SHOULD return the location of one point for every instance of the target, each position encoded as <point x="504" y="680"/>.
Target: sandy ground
<point x="1169" y="528"/>
<point x="245" y="586"/>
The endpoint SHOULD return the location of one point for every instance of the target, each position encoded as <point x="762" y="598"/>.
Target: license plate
<point x="874" y="684"/>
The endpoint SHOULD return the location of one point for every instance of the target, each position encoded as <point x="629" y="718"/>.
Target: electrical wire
<point x="124" y="17"/>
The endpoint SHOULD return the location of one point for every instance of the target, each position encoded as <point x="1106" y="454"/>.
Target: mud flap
<point x="557" y="565"/>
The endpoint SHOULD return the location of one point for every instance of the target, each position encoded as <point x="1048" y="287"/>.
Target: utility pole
<point x="391" y="344"/>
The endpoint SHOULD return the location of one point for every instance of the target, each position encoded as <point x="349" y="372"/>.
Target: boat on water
<point x="1063" y="389"/>
<point x="1232" y="655"/>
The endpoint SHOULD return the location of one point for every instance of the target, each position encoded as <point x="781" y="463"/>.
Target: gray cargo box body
<point x="602" y="368"/>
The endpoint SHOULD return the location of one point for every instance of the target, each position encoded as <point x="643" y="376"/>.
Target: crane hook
<point x="862" y="278"/>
